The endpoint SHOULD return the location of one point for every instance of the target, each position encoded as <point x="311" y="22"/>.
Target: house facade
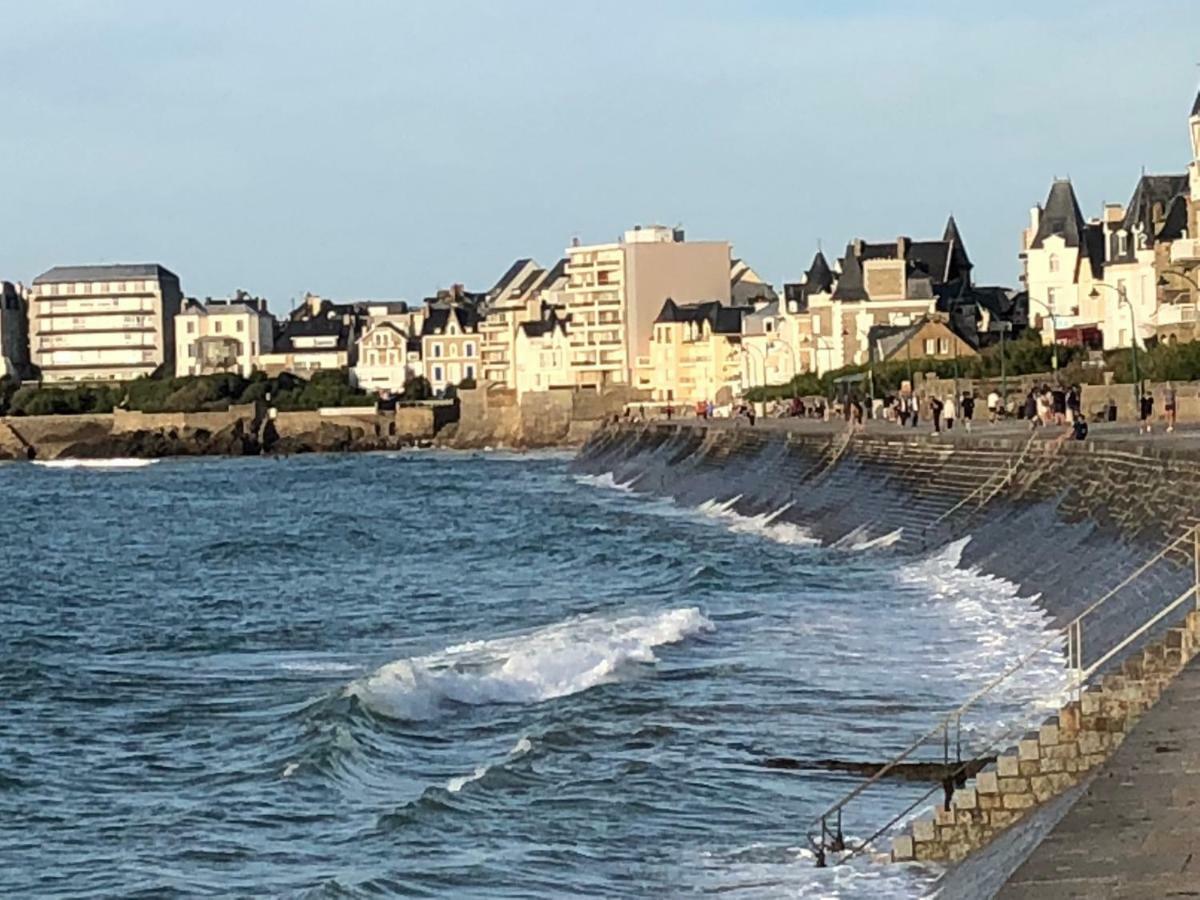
<point x="103" y="323"/>
<point x="696" y="353"/>
<point x="388" y="354"/>
<point x="222" y="335"/>
<point x="450" y="346"/>
<point x="543" y="355"/>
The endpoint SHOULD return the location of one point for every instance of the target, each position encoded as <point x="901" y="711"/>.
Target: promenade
<point x="1135" y="832"/>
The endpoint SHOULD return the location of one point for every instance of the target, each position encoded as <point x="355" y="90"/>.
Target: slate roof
<point x="746" y="293"/>
<point x="1062" y="216"/>
<point x="1196" y="105"/>
<point x="439" y="317"/>
<point x="1151" y="191"/>
<point x="512" y="272"/>
<point x="721" y="319"/>
<point x="850" y="284"/>
<point x="118" y="272"/>
<point x="887" y="340"/>
<point x="928" y="264"/>
<point x="544" y="326"/>
<point x="324" y="326"/>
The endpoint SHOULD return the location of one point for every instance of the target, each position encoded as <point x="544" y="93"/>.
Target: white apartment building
<point x="222" y="335"/>
<point x="389" y="350"/>
<point x="103" y="323"/>
<point x="614" y="292"/>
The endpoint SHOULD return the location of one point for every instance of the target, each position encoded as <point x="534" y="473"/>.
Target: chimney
<point x="902" y="245"/>
<point x="575" y="241"/>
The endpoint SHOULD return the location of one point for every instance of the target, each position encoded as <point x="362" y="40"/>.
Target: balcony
<point x="1186" y="251"/>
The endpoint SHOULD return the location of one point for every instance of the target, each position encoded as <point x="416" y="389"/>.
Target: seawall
<point x="1068" y="522"/>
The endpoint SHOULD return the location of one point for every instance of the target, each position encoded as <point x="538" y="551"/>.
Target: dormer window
<point x="1055" y="265"/>
<point x="1122" y="243"/>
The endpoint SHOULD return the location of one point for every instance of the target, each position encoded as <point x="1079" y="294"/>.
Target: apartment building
<point x="14" y="331"/>
<point x="225" y="335"/>
<point x="103" y="323"/>
<point x="614" y="293"/>
<point x="520" y="296"/>
<point x="696" y="353"/>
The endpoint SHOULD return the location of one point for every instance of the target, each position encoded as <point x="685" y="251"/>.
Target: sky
<point x="386" y="149"/>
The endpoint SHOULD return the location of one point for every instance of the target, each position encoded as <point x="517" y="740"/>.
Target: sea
<point x="471" y="674"/>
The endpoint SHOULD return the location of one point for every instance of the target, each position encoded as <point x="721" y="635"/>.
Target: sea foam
<point x="764" y="525"/>
<point x="117" y="463"/>
<point x="554" y="661"/>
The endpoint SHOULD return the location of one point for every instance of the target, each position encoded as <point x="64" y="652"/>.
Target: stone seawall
<point x="1068" y="522"/>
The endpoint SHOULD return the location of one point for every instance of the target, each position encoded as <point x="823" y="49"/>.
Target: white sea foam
<point x="860" y="539"/>
<point x="520" y="748"/>
<point x="606" y="480"/>
<point x="117" y="463"/>
<point x="555" y="661"/>
<point x="763" y="525"/>
<point x="319" y="667"/>
<point x="987" y="626"/>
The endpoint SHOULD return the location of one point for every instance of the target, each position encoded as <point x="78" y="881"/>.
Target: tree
<point x="417" y="388"/>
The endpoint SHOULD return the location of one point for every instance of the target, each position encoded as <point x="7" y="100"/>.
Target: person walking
<point x="1031" y="408"/>
<point x="968" y="409"/>
<point x="935" y="413"/>
<point x="709" y="409"/>
<point x="1074" y="404"/>
<point x="948" y="411"/>
<point x="993" y="406"/>
<point x="1169" y="404"/>
<point x="1147" y="412"/>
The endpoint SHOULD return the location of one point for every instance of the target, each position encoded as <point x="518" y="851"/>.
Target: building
<point x="389" y="349"/>
<point x="746" y="288"/>
<point x="222" y="335"/>
<point x="614" y="293"/>
<point x="450" y="346"/>
<point x="887" y="283"/>
<point x="543" y="355"/>
<point x="523" y="294"/>
<point x="14" y="331"/>
<point x="930" y="337"/>
<point x="696" y="353"/>
<point x="1176" y="317"/>
<point x="103" y="323"/>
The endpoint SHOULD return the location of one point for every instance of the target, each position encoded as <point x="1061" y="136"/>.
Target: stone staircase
<point x="1044" y="763"/>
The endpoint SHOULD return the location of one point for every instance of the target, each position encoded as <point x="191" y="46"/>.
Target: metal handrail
<point x="1072" y="631"/>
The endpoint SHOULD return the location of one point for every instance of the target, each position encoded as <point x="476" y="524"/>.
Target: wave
<point x="116" y="463"/>
<point x="520" y="748"/>
<point x="763" y="525"/>
<point x="860" y="539"/>
<point x="606" y="481"/>
<point x="555" y="661"/>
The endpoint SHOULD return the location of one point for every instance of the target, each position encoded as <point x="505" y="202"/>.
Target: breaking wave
<point x="605" y="480"/>
<point x="860" y="539"/>
<point x="555" y="661"/>
<point x="764" y="524"/>
<point x="520" y="748"/>
<point x="117" y="463"/>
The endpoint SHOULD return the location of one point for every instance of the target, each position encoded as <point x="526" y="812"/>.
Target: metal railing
<point x="829" y="824"/>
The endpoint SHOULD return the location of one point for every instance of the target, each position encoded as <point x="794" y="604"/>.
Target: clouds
<point x="387" y="149"/>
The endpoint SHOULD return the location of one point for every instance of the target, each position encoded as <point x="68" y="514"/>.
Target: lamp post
<point x="1123" y="298"/>
<point x="1054" y="325"/>
<point x="1162" y="279"/>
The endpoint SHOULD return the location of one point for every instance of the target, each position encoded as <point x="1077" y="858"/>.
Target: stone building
<point x="222" y="335"/>
<point x="614" y="293"/>
<point x="930" y="337"/>
<point x="14" y="331"/>
<point x="450" y="346"/>
<point x="103" y="323"/>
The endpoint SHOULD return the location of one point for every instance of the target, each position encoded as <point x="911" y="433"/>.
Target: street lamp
<point x="1122" y="297"/>
<point x="1054" y="325"/>
<point x="1162" y="279"/>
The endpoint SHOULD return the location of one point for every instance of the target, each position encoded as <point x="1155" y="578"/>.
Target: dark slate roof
<point x="796" y="293"/>
<point x="544" y="325"/>
<point x="119" y="272"/>
<point x="439" y="318"/>
<point x="511" y="273"/>
<point x="1196" y="105"/>
<point x="557" y="273"/>
<point x="747" y="293"/>
<point x="322" y="326"/>
<point x="1152" y="191"/>
<point x="819" y="277"/>
<point x="1062" y="216"/>
<point x="721" y="319"/>
<point x="850" y="285"/>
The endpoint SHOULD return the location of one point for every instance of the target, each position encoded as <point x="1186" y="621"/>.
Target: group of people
<point x="907" y="410"/>
<point x="1048" y="405"/>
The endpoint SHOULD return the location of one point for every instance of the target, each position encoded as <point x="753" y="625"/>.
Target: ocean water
<point x="458" y="675"/>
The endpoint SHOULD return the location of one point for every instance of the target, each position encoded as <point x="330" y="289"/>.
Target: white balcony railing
<point x="1186" y="251"/>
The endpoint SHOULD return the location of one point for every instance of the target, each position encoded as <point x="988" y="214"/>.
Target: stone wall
<point x="125" y="420"/>
<point x="493" y="416"/>
<point x="1046" y="762"/>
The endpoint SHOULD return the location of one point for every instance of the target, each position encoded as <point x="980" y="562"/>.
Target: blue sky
<point x="385" y="149"/>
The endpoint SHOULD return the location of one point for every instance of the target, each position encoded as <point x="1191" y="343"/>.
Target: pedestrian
<point x="1031" y="408"/>
<point x="750" y="413"/>
<point x="935" y="413"/>
<point x="948" y="411"/>
<point x="1074" y="404"/>
<point x="993" y="406"/>
<point x="1042" y="406"/>
<point x="902" y="411"/>
<point x="1147" y="411"/>
<point x="670" y="411"/>
<point x="1169" y="398"/>
<point x="709" y="409"/>
<point x="916" y="409"/>
<point x="1058" y="398"/>
<point x="968" y="409"/>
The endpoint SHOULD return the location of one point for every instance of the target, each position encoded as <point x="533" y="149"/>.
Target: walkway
<point x="1135" y="832"/>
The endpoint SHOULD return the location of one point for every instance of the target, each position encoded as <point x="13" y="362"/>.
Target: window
<point x="1122" y="243"/>
<point x="816" y="325"/>
<point x="1054" y="264"/>
<point x="468" y="349"/>
<point x="437" y="352"/>
<point x="470" y="371"/>
<point x="1050" y="298"/>
<point x="191" y="327"/>
<point x="217" y="327"/>
<point x="241" y="325"/>
<point x="437" y="373"/>
<point x="943" y="345"/>
<point x="930" y="346"/>
<point x="770" y="327"/>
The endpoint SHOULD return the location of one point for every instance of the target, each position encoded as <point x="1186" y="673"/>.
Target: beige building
<point x="450" y="346"/>
<point x="389" y="350"/>
<point x="318" y="335"/>
<point x="103" y="323"/>
<point x="543" y="355"/>
<point x="930" y="337"/>
<point x="222" y="335"/>
<point x="14" y="331"/>
<point x="696" y="353"/>
<point x="614" y="293"/>
<point x="521" y="295"/>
